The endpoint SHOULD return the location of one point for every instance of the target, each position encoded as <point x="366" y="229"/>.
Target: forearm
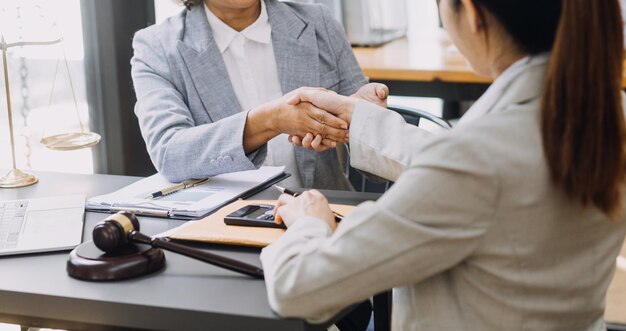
<point x="288" y="295"/>
<point x="258" y="129"/>
<point x="182" y="152"/>
<point x="381" y="142"/>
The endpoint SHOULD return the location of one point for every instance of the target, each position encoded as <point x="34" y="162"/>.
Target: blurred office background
<point x="97" y="44"/>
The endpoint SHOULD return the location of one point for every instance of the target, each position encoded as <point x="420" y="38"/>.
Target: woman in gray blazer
<point x="210" y="84"/>
<point x="510" y="221"/>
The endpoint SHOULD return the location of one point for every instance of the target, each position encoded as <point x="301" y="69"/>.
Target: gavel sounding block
<point x="87" y="262"/>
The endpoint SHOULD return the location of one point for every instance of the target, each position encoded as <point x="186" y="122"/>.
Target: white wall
<point x="166" y="8"/>
<point x="423" y="17"/>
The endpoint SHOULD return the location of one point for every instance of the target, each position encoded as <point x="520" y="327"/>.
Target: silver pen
<point x="177" y="187"/>
<point x="338" y="217"/>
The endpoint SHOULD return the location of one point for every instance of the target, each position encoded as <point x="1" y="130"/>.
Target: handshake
<point x="318" y="119"/>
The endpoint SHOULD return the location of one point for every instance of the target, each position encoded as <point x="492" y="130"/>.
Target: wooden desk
<point x="425" y="66"/>
<point x="417" y="59"/>
<point x="35" y="290"/>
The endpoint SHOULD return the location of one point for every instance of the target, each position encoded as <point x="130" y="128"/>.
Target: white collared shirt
<point x="251" y="65"/>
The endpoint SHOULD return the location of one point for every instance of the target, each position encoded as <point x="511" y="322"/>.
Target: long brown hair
<point x="582" y="117"/>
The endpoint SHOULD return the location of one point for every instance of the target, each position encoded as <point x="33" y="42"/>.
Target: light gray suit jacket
<point x="472" y="236"/>
<point x="188" y="112"/>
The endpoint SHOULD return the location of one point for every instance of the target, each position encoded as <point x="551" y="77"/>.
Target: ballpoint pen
<point x="338" y="217"/>
<point x="177" y="187"/>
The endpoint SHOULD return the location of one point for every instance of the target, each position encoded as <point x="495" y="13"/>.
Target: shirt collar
<point x="259" y="31"/>
<point x="496" y="91"/>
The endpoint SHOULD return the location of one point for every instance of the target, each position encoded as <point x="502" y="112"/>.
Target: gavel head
<point x="112" y="233"/>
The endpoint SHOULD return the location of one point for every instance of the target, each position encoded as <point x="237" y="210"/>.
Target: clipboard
<point x="212" y="228"/>
<point x="219" y="191"/>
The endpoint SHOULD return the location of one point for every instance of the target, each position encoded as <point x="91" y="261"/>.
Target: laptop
<point x="41" y="225"/>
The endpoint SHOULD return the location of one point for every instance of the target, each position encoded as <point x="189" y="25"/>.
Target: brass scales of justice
<point x="62" y="142"/>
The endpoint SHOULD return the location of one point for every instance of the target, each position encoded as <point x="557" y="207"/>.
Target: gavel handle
<point x="220" y="261"/>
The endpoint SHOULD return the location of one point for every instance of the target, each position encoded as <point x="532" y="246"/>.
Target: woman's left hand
<point x="375" y="93"/>
<point x="290" y="209"/>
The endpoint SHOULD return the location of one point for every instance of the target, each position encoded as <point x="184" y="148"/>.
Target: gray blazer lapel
<point x="206" y="66"/>
<point x="297" y="59"/>
<point x="295" y="47"/>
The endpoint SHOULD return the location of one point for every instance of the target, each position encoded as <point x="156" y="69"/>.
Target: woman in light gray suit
<point x="510" y="221"/>
<point x="210" y="84"/>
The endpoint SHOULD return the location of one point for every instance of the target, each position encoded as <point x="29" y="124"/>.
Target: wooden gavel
<point x="118" y="230"/>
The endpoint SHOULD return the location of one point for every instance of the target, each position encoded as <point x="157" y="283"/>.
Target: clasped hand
<point x="285" y="115"/>
<point x="339" y="106"/>
<point x="314" y="118"/>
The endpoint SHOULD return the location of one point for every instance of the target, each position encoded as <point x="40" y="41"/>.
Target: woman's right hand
<point x="329" y="101"/>
<point x="290" y="210"/>
<point x="298" y="118"/>
<point x="292" y="118"/>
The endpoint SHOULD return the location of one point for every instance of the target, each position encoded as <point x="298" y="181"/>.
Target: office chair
<point x="615" y="327"/>
<point x="411" y="116"/>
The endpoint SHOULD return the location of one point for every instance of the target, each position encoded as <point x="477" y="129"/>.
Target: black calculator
<point x="254" y="215"/>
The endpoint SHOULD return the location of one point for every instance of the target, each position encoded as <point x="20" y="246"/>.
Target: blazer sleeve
<point x="351" y="77"/>
<point x="433" y="218"/>
<point x="179" y="148"/>
<point x="379" y="139"/>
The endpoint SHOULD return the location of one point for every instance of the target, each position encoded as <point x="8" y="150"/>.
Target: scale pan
<point x="71" y="141"/>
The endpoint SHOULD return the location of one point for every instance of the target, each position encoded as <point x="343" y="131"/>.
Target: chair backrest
<point x="411" y="116"/>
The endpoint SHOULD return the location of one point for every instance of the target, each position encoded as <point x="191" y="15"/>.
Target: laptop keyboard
<point x="12" y="214"/>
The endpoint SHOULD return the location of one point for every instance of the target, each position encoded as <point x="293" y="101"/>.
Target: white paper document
<point x="193" y="202"/>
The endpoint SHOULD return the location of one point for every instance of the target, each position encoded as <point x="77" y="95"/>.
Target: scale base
<point x="17" y="178"/>
<point x="87" y="262"/>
